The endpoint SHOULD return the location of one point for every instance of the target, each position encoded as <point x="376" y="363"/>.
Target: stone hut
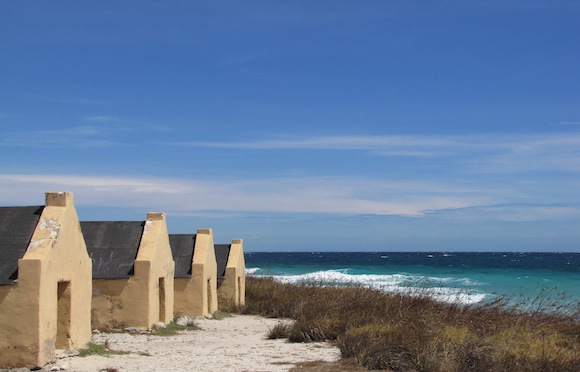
<point x="231" y="272"/>
<point x="195" y="273"/>
<point x="45" y="282"/>
<point x="132" y="272"/>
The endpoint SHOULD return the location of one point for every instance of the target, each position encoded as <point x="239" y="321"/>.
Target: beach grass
<point x="172" y="328"/>
<point x="100" y="350"/>
<point x="413" y="332"/>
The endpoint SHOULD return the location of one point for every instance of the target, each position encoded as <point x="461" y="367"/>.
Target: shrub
<point x="280" y="330"/>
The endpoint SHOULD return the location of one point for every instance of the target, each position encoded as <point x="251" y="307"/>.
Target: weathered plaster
<point x="29" y="308"/>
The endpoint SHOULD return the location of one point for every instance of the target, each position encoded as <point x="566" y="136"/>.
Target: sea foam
<point x="440" y="289"/>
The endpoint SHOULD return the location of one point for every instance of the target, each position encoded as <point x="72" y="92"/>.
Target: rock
<point x="185" y="321"/>
<point x="135" y="330"/>
<point x="96" y="331"/>
<point x="161" y="325"/>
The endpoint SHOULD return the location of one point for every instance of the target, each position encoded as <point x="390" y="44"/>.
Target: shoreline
<point x="237" y="343"/>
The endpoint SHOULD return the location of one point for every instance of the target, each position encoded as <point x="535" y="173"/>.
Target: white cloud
<point x="488" y="153"/>
<point x="514" y="213"/>
<point x="306" y="195"/>
<point x="351" y="142"/>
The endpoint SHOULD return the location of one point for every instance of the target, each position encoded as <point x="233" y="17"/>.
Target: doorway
<point x="239" y="290"/>
<point x="63" y="315"/>
<point x="162" y="299"/>
<point x="209" y="298"/>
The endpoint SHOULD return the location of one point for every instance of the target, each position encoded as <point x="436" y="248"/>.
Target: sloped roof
<point x="222" y="252"/>
<point x="182" y="247"/>
<point x="17" y="225"/>
<point x="113" y="247"/>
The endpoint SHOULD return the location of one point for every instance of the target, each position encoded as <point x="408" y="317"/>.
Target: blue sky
<point x="301" y="125"/>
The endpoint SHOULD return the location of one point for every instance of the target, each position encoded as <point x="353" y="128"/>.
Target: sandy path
<point x="231" y="344"/>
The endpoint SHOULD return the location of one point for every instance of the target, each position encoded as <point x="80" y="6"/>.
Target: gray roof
<point x="17" y="225"/>
<point x="222" y="252"/>
<point x="113" y="247"/>
<point x="182" y="247"/>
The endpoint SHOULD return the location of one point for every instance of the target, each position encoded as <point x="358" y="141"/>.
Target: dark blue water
<point x="467" y="277"/>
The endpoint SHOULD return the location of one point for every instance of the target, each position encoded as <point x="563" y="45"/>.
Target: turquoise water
<point x="467" y="277"/>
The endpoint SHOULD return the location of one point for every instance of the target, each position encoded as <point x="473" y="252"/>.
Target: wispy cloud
<point x="351" y="142"/>
<point x="490" y="152"/>
<point x="102" y="119"/>
<point x="67" y="100"/>
<point x="514" y="213"/>
<point x="80" y="136"/>
<point x="92" y="131"/>
<point x="549" y="152"/>
<point x="306" y="195"/>
<point x="241" y="59"/>
<point x="113" y="123"/>
<point x="569" y="123"/>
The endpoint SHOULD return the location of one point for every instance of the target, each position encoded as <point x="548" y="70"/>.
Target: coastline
<point x="236" y="343"/>
<point x="462" y="277"/>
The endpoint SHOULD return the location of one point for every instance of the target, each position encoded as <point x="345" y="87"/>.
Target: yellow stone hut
<point x="133" y="272"/>
<point x="45" y="282"/>
<point x="231" y="272"/>
<point x="195" y="273"/>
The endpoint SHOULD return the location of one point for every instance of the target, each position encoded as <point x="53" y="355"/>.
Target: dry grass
<point x="402" y="332"/>
<point x="346" y="365"/>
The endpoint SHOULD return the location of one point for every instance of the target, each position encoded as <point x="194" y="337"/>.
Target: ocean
<point x="465" y="277"/>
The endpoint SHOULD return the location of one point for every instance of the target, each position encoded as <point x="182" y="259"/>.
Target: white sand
<point x="232" y="344"/>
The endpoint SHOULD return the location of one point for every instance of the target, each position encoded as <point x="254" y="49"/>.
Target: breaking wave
<point x="252" y="270"/>
<point x="452" y="290"/>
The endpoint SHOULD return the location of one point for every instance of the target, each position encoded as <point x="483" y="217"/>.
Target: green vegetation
<point x="404" y="332"/>
<point x="172" y="329"/>
<point x="219" y="314"/>
<point x="100" y="349"/>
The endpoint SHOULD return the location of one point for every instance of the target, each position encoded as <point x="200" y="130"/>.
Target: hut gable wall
<point x="49" y="306"/>
<point x="145" y="297"/>
<point x="233" y="286"/>
<point x="197" y="295"/>
<point x="155" y="268"/>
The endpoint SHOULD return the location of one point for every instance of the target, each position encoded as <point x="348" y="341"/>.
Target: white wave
<point x="399" y="283"/>
<point x="460" y="281"/>
<point x="252" y="270"/>
<point x="341" y="277"/>
<point x="449" y="295"/>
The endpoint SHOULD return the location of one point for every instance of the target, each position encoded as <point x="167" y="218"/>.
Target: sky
<point x="301" y="125"/>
